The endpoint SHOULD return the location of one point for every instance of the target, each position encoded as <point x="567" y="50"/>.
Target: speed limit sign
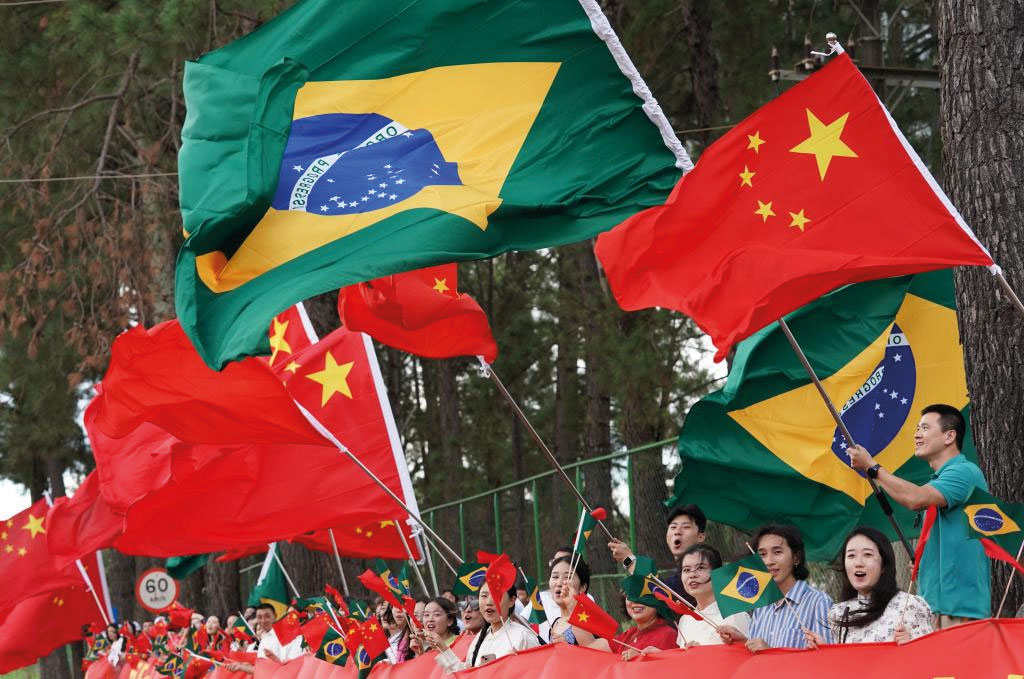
<point x="156" y="590"/>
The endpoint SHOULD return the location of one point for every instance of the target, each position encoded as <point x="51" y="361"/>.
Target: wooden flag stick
<point x="337" y="560"/>
<point x="489" y="372"/>
<point x="1009" y="580"/>
<point x="879" y="495"/>
<point x="415" y="566"/>
<point x="1014" y="299"/>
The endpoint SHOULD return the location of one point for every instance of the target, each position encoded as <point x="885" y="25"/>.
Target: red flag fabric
<point x="922" y="540"/>
<point x="82" y="523"/>
<point x="335" y="596"/>
<point x="314" y="630"/>
<point x="373" y="638"/>
<point x="994" y="551"/>
<point x="37" y="625"/>
<point x="377" y="539"/>
<point x="101" y="669"/>
<point x="815" y="190"/>
<point x="197" y="667"/>
<point x="409" y="606"/>
<point x="421" y="312"/>
<point x="178" y="616"/>
<point x="677" y="607"/>
<point x="500" y="575"/>
<point x="26" y="567"/>
<point x="288" y="627"/>
<point x="353" y="634"/>
<point x="375" y="583"/>
<point x="591" y="617"/>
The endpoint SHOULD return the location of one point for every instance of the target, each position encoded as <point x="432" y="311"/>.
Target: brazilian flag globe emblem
<point x="469" y="578"/>
<point x="332" y="648"/>
<point x="330" y="147"/>
<point x="743" y="586"/>
<point x="990" y="517"/>
<point x="765" y="449"/>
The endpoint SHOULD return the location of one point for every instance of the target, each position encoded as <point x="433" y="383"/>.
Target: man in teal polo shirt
<point x="954" y="575"/>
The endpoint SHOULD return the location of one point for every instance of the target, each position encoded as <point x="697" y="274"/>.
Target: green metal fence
<point x="575" y="469"/>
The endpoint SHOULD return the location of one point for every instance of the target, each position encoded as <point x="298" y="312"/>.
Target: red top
<point x="660" y="635"/>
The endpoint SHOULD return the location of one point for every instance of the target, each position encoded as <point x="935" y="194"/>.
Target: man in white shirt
<point x="268" y="645"/>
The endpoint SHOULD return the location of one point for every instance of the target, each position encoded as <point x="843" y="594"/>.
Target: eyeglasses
<point x="702" y="568"/>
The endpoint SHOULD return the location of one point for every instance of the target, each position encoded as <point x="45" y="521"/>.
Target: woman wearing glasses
<point x="697" y="563"/>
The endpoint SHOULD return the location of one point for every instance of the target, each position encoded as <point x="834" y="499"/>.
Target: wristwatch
<point x="872" y="471"/>
<point x="628" y="561"/>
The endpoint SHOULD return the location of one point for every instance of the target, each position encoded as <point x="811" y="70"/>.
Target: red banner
<point x="993" y="649"/>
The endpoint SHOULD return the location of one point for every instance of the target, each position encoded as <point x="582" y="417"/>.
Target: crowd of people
<point x="953" y="584"/>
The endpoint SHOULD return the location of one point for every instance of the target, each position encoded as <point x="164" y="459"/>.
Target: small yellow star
<point x="10" y="522"/>
<point x="583" y="617"/>
<point x="292" y="367"/>
<point x="359" y="530"/>
<point x="8" y="549"/>
<point x="57" y="600"/>
<point x="441" y="284"/>
<point x="824" y="142"/>
<point x="746" y="176"/>
<point x="373" y="627"/>
<point x="3" y="535"/>
<point x="755" y="141"/>
<point x="22" y="551"/>
<point x="369" y="533"/>
<point x="277" y="341"/>
<point x="799" y="219"/>
<point x="334" y="379"/>
<point x="34" y="525"/>
<point x="765" y="210"/>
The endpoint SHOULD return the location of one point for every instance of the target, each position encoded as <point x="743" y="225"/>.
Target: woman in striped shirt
<point x="782" y="624"/>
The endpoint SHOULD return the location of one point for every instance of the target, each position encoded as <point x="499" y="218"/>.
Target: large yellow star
<point x="746" y="176"/>
<point x="385" y="524"/>
<point x="755" y="141"/>
<point x="441" y="285"/>
<point x="277" y="341"/>
<point x="34" y="525"/>
<point x="799" y="219"/>
<point x="334" y="379"/>
<point x="765" y="210"/>
<point x="583" y="617"/>
<point x="824" y="142"/>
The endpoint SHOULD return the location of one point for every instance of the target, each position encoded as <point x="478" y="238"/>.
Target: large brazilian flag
<point x="765" y="449"/>
<point x="350" y="139"/>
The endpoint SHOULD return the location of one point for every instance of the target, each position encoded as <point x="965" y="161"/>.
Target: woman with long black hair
<point x="873" y="606"/>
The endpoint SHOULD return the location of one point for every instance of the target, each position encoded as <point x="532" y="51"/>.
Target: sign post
<point x="156" y="590"/>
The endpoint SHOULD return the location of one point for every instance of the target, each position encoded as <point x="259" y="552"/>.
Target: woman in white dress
<point x="697" y="563"/>
<point x="873" y="608"/>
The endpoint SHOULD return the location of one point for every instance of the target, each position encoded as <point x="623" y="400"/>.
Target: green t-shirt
<point x="954" y="569"/>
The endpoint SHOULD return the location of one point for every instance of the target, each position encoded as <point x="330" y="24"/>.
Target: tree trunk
<point x="55" y="665"/>
<point x="703" y="64"/>
<point x="121" y="583"/>
<point x="221" y="589"/>
<point x="982" y="118"/>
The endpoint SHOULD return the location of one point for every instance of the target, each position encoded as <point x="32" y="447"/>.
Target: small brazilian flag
<point x="764" y="448"/>
<point x="364" y="663"/>
<point x="586" y="527"/>
<point x="398" y="584"/>
<point x="640" y="587"/>
<point x="332" y="648"/>
<point x="172" y="666"/>
<point x="314" y="604"/>
<point x="469" y="578"/>
<point x="537" y="615"/>
<point x="989" y="517"/>
<point x="743" y="586"/>
<point x="332" y="146"/>
<point x="359" y="609"/>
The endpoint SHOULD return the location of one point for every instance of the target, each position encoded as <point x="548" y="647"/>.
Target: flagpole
<point x="337" y="560"/>
<point x="446" y="562"/>
<point x="430" y="565"/>
<point x="489" y="372"/>
<point x="1005" y="285"/>
<point x="415" y="566"/>
<point x="326" y="433"/>
<point x="1009" y="580"/>
<point x="879" y="494"/>
<point x="576" y="556"/>
<point x="84" y="574"/>
<point x="287" y="577"/>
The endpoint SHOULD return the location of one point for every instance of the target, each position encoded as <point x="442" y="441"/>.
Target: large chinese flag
<point x="815" y="190"/>
<point x="26" y="568"/>
<point x="38" y="624"/>
<point x="421" y="312"/>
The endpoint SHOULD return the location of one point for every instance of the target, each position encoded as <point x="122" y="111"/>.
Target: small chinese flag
<point x="375" y="583"/>
<point x="421" y="312"/>
<point x="373" y="638"/>
<point x="591" y="617"/>
<point x="815" y="190"/>
<point x="314" y="630"/>
<point x="500" y="575"/>
<point x="288" y="627"/>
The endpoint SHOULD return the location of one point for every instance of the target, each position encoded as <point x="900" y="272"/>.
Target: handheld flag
<point x="314" y="630"/>
<point x="815" y="190"/>
<point x="990" y="517"/>
<point x="643" y="590"/>
<point x="335" y="596"/>
<point x="586" y="527"/>
<point x="926" y="530"/>
<point x="373" y="638"/>
<point x="884" y="350"/>
<point x="591" y="617"/>
<point x="537" y="614"/>
<point x="375" y="583"/>
<point x="468" y="579"/>
<point x="178" y="616"/>
<point x="332" y="648"/>
<point x="743" y="586"/>
<point x="288" y="627"/>
<point x="500" y="576"/>
<point x="420" y="312"/>
<point x="271" y="587"/>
